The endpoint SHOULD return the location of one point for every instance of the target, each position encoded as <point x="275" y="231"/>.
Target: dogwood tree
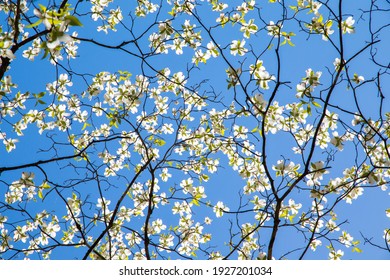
<point x="192" y="129"/>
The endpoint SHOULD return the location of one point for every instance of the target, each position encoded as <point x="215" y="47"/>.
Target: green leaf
<point x="328" y="24"/>
<point x="40" y="195"/>
<point x="316" y="104"/>
<point x="291" y="218"/>
<point x="73" y="21"/>
<point x="46" y="50"/>
<point x="195" y="202"/>
<point x="85" y="125"/>
<point x="357" y="250"/>
<point x="204" y="177"/>
<point x="309" y="109"/>
<point x="40" y="95"/>
<point x="34" y="24"/>
<point x="43" y="8"/>
<point x="354" y="243"/>
<point x="159" y="142"/>
<point x="172" y="12"/>
<point x="124" y="75"/>
<point x="290" y="43"/>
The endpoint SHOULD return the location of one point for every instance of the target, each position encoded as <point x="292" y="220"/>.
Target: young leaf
<point x="73" y="21"/>
<point x="195" y="202"/>
<point x="45" y="185"/>
<point x="38" y="22"/>
<point x="40" y="195"/>
<point x="316" y="104"/>
<point x="357" y="250"/>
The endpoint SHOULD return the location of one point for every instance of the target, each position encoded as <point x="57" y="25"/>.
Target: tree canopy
<point x="193" y="129"/>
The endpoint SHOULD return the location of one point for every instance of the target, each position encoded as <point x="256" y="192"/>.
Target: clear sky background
<point x="365" y="216"/>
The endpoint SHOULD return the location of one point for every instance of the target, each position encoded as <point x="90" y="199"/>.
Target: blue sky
<point x="366" y="215"/>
